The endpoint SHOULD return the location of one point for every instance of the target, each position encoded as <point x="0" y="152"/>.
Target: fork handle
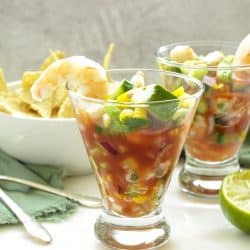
<point x="32" y="227"/>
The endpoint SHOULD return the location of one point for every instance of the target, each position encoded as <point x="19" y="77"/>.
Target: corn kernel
<point x="123" y="98"/>
<point x="104" y="165"/>
<point x="129" y="163"/>
<point x="140" y="113"/>
<point x="230" y="58"/>
<point x="95" y="152"/>
<point x="217" y="86"/>
<point x="242" y="135"/>
<point x="140" y="199"/>
<point x="174" y="132"/>
<point x="178" y="92"/>
<point x="126" y="113"/>
<point x="106" y="120"/>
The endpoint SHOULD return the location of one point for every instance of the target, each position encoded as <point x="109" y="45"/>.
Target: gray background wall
<point x="28" y="29"/>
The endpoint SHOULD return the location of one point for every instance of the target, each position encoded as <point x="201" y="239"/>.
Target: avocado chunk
<point x="224" y="73"/>
<point x="122" y="88"/>
<point x="156" y="93"/>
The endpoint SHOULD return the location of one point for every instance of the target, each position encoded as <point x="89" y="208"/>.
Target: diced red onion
<point x="109" y="147"/>
<point x="210" y="81"/>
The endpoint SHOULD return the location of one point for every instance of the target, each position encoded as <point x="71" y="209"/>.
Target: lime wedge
<point x="235" y="199"/>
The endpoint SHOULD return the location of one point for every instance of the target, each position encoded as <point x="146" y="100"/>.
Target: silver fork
<point x="32" y="227"/>
<point x="83" y="200"/>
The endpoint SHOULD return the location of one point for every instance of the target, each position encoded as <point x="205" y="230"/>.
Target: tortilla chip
<point x="54" y="56"/>
<point x="27" y="111"/>
<point x="66" y="110"/>
<point x="43" y="108"/>
<point x="10" y="103"/>
<point x="107" y="57"/>
<point x="3" y="84"/>
<point x="29" y="77"/>
<point x="4" y="107"/>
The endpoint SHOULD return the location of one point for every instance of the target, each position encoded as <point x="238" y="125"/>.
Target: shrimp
<point x="83" y="74"/>
<point x="138" y="79"/>
<point x="242" y="55"/>
<point x="182" y="53"/>
<point x="213" y="58"/>
<point x="241" y="58"/>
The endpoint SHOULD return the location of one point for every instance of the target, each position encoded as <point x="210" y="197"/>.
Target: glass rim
<point x="232" y="44"/>
<point x="170" y="73"/>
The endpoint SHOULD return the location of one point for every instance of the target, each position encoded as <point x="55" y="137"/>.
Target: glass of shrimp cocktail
<point x="133" y="138"/>
<point x="223" y="115"/>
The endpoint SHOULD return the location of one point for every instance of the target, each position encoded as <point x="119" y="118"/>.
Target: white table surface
<point x="195" y="224"/>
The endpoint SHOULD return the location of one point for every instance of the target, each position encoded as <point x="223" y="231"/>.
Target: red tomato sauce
<point x="133" y="169"/>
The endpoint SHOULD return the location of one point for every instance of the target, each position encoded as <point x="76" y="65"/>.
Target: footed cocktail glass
<point x="222" y="118"/>
<point x="133" y="159"/>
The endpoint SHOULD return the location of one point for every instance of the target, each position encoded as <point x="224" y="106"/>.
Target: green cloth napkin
<point x="36" y="203"/>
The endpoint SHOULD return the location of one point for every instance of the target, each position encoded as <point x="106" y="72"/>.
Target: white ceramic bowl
<point x="56" y="142"/>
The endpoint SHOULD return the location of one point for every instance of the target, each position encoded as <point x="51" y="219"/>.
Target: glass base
<point x="134" y="233"/>
<point x="204" y="179"/>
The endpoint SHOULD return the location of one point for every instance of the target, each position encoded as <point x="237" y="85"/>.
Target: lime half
<point x="235" y="199"/>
